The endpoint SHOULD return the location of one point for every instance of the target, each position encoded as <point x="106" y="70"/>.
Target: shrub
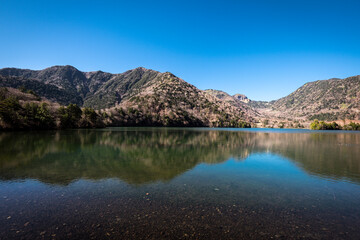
<point x="352" y="126"/>
<point x="316" y="125"/>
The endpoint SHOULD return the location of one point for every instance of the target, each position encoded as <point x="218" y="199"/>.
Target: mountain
<point x="63" y="84"/>
<point x="66" y="84"/>
<point x="237" y="100"/>
<point x="24" y="109"/>
<point x="109" y="89"/>
<point x="227" y="97"/>
<point x="332" y="99"/>
<point x="326" y="100"/>
<point x="136" y="97"/>
<point x="147" y="97"/>
<point x="170" y="101"/>
<point x="241" y="97"/>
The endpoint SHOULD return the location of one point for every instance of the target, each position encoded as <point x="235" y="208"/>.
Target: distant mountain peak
<point x="61" y="67"/>
<point x="241" y="97"/>
<point x="141" y="68"/>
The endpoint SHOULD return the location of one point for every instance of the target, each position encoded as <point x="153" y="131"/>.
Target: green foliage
<point x="38" y="116"/>
<point x="104" y="115"/>
<point x="121" y="112"/>
<point x="352" y="126"/>
<point x="23" y="89"/>
<point x="70" y="116"/>
<point x="233" y="123"/>
<point x="9" y="111"/>
<point x="316" y="125"/>
<point x="90" y="118"/>
<point x="131" y="110"/>
<point x="32" y="115"/>
<point x="3" y="92"/>
<point x="242" y="124"/>
<point x="90" y="114"/>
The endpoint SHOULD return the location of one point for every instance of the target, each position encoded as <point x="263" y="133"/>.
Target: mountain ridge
<point x="136" y="97"/>
<point x="329" y="100"/>
<point x="165" y="94"/>
<point x="70" y="79"/>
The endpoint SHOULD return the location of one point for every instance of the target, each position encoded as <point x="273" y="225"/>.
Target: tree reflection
<point x="146" y="155"/>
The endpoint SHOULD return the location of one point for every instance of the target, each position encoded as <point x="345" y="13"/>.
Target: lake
<point x="180" y="183"/>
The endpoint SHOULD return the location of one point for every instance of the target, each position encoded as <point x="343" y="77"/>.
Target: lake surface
<point x="169" y="183"/>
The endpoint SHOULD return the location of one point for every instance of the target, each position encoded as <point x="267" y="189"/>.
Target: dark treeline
<point x="40" y="115"/>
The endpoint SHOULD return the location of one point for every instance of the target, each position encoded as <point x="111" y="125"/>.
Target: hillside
<point x="136" y="97"/>
<point x="24" y="109"/>
<point x="326" y="100"/>
<point x="237" y="100"/>
<point x="170" y="101"/>
<point x="332" y="99"/>
<point x="49" y="91"/>
<point x="66" y="84"/>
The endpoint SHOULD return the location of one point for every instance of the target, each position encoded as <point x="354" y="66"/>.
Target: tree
<point x="70" y="116"/>
<point x="9" y="111"/>
<point x="90" y="114"/>
<point x="90" y="118"/>
<point x="38" y="116"/>
<point x="316" y="125"/>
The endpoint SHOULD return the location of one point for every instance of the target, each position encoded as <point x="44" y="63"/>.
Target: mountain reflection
<point x="146" y="155"/>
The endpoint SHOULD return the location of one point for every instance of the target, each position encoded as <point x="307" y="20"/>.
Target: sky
<point x="261" y="48"/>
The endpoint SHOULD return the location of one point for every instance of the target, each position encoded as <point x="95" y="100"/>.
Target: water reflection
<point x="140" y="156"/>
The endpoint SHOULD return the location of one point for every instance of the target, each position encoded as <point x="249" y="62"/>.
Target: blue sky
<point x="264" y="49"/>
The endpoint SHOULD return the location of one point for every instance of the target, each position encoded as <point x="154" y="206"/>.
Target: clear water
<point x="168" y="183"/>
